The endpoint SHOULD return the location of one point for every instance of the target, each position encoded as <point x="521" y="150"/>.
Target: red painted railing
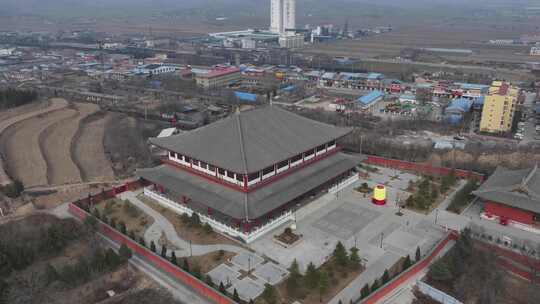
<point x="409" y="273"/>
<point x="159" y="262"/>
<point x="421" y="168"/>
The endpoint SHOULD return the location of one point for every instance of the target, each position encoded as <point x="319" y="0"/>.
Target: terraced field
<point x="88" y="150"/>
<point x="25" y="160"/>
<point x="13" y="116"/>
<point x="55" y="143"/>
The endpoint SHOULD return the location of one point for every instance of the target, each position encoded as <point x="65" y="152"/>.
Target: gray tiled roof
<point x="252" y="140"/>
<point x="259" y="202"/>
<point x="516" y="188"/>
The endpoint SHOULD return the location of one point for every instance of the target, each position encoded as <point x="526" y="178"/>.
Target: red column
<point x="244" y="177"/>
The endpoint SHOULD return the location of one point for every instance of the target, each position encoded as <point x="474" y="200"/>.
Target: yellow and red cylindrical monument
<point x="379" y="195"/>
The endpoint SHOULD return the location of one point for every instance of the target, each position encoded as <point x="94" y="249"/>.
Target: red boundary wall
<point x="409" y="273"/>
<point x="159" y="262"/>
<point x="420" y="168"/>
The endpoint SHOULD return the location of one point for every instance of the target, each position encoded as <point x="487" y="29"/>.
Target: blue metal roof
<point x="243" y="96"/>
<point x="288" y="88"/>
<point x="472" y="86"/>
<point x="460" y="104"/>
<point x="407" y="96"/>
<point x="479" y="101"/>
<point x="371" y="97"/>
<point x="453" y="119"/>
<point x="375" y="76"/>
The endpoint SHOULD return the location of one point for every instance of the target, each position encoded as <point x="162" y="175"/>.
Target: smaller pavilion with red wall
<point x="512" y="197"/>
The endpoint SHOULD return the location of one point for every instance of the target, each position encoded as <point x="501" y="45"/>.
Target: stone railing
<point x="218" y="226"/>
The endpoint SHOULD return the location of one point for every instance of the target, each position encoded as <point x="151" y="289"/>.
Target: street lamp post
<point x="436" y="215"/>
<point x="382" y="236"/>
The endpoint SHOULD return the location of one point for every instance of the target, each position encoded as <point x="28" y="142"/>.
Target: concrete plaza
<point x="350" y="217"/>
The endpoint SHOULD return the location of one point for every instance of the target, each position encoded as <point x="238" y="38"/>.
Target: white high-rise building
<point x="282" y="15"/>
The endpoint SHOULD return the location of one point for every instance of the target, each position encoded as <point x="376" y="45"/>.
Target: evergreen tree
<point x="340" y="254"/>
<point x="364" y="292"/>
<point x="439" y="271"/>
<point x="251" y="301"/>
<point x="312" y="276"/>
<point x="163" y="251"/>
<point x="293" y="281"/>
<point x="142" y="241"/>
<point x="207" y="228"/>
<point x="113" y="223"/>
<point x="235" y="297"/>
<point x="90" y="222"/>
<point x="153" y="246"/>
<point x="407" y="263"/>
<point x="122" y="227"/>
<point x="222" y="288"/>
<point x="195" y="220"/>
<point x="375" y="285"/>
<point x="209" y="281"/>
<point x="355" y="258"/>
<point x="96" y="213"/>
<point x="124" y="252"/>
<point x="173" y="258"/>
<point x="269" y="294"/>
<point x="4" y="290"/>
<point x="323" y="284"/>
<point x="51" y="274"/>
<point x="418" y="256"/>
<point x="385" y="277"/>
<point x="186" y="265"/>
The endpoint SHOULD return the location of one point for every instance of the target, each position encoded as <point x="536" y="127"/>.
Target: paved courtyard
<point x="234" y="276"/>
<point x="350" y="217"/>
<point x="346" y="220"/>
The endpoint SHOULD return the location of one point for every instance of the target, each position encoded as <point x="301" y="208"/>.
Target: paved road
<point x="162" y="225"/>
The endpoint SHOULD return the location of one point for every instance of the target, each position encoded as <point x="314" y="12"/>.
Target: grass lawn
<point x="185" y="230"/>
<point x="123" y="211"/>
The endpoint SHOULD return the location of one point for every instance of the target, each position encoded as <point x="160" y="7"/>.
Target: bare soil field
<point x="22" y="149"/>
<point x="467" y="34"/>
<point x="56" y="142"/>
<point x="17" y="115"/>
<point x="87" y="149"/>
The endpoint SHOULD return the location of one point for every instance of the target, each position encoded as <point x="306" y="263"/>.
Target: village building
<point x="247" y="173"/>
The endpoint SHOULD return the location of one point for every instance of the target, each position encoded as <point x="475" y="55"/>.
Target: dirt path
<point x="22" y="150"/>
<point x="16" y="116"/>
<point x="88" y="151"/>
<point x="56" y="141"/>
